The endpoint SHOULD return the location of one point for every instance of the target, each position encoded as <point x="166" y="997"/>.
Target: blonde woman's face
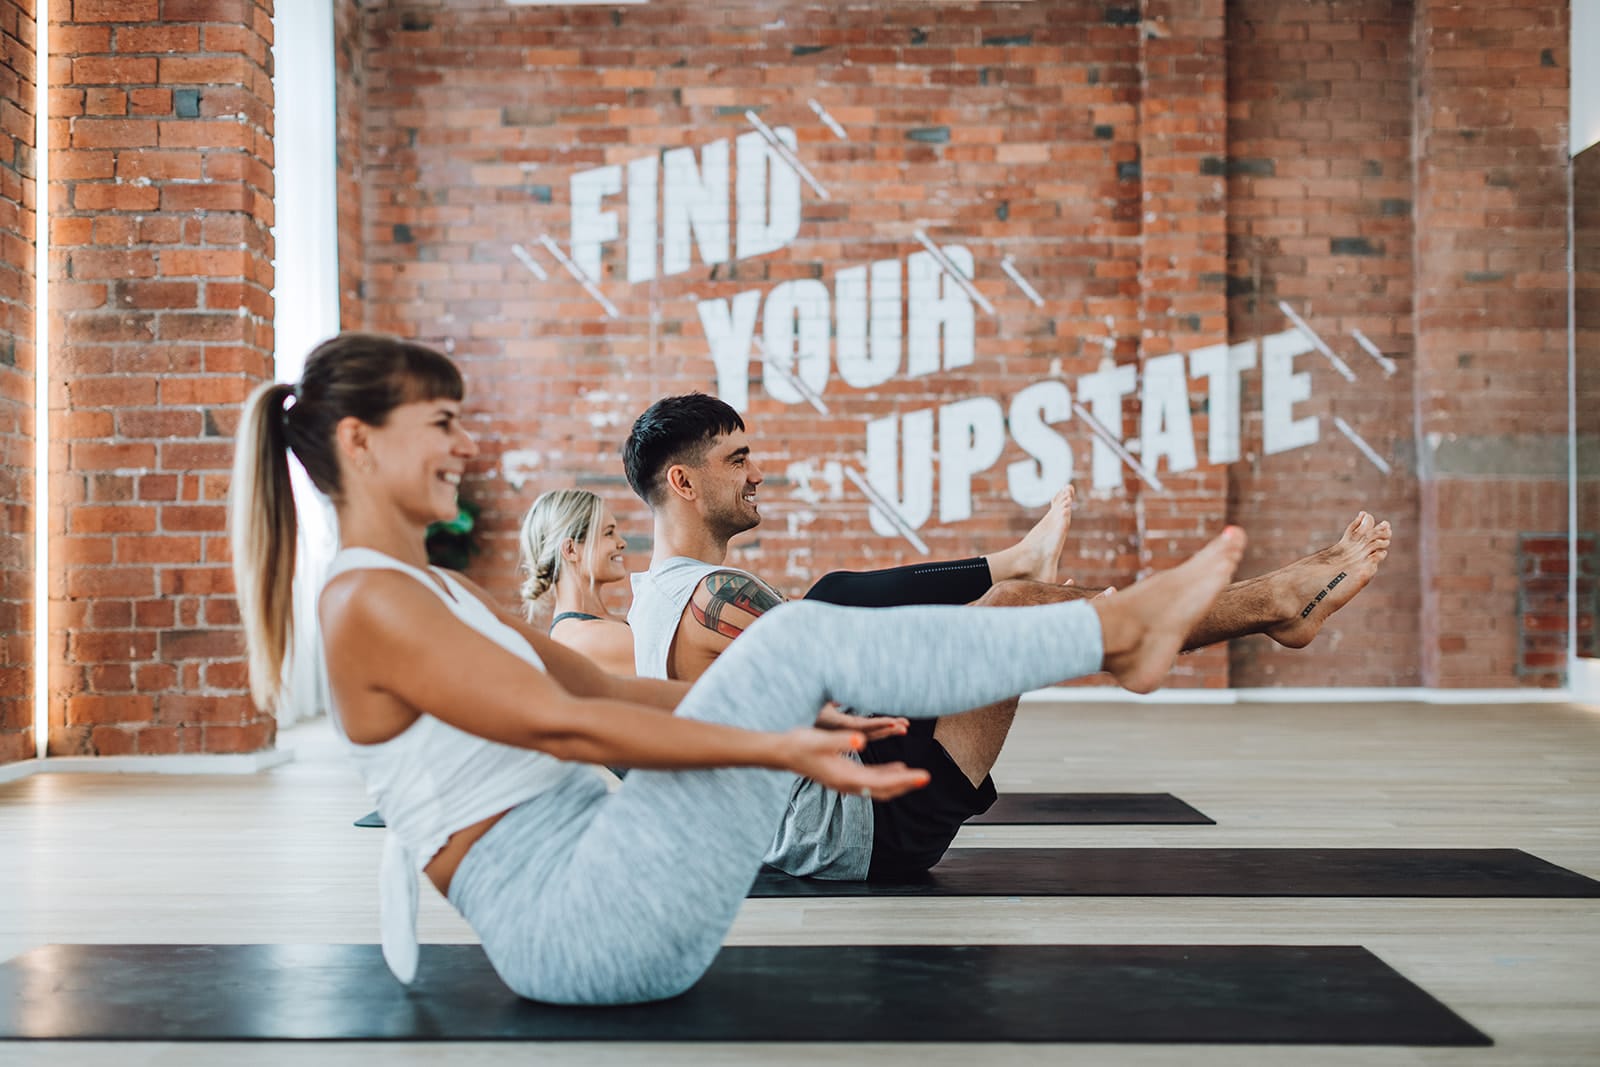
<point x="604" y="565"/>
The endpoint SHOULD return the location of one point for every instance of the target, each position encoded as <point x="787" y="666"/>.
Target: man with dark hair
<point x="689" y="459"/>
<point x="678" y="429"/>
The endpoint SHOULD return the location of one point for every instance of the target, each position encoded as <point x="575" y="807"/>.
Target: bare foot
<point x="1308" y="591"/>
<point x="1038" y="554"/>
<point x="1144" y="626"/>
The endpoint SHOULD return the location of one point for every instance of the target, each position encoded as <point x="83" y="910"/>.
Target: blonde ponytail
<point x="262" y="527"/>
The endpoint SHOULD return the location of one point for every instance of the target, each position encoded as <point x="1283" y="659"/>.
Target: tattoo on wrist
<point x="1309" y="608"/>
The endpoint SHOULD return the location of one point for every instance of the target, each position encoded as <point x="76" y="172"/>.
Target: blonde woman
<point x="570" y="548"/>
<point x="471" y="728"/>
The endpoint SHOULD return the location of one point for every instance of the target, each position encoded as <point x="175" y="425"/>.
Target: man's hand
<point x="819" y="755"/>
<point x="872" y="727"/>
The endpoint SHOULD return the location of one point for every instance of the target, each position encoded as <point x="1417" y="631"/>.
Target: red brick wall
<point x="1549" y="569"/>
<point x="1183" y="126"/>
<point x="1169" y="176"/>
<point x="161" y="187"/>
<point x="17" y="217"/>
<point x="1013" y="130"/>
<point x="350" y="89"/>
<point x="1586" y="277"/>
<point x="1491" y="317"/>
<point x="1108" y="149"/>
<point x="1319" y="217"/>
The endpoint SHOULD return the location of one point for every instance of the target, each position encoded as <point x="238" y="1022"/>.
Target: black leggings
<point x="958" y="581"/>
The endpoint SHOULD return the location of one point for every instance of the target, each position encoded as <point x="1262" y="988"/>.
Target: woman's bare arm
<point x="580" y="674"/>
<point x="391" y="642"/>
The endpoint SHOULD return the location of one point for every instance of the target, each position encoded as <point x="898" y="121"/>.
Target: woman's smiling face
<point x="420" y="452"/>
<point x="600" y="554"/>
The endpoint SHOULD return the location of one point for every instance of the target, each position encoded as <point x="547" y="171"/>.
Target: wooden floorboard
<point x="273" y="858"/>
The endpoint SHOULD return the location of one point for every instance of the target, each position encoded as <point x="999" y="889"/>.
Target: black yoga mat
<point x="1086" y="809"/>
<point x="1213" y="872"/>
<point x="1057" y="809"/>
<point x="947" y="993"/>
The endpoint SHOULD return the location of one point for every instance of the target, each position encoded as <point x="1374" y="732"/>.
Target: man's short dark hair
<point x="675" y="429"/>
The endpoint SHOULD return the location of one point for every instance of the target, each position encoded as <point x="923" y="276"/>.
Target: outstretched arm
<point x="396" y="651"/>
<point x="580" y="675"/>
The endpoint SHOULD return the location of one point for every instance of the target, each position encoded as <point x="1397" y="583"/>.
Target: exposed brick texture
<point x="1491" y="316"/>
<point x="1170" y="176"/>
<point x="17" y="220"/>
<point x="1544" y="564"/>
<point x="1319" y="162"/>
<point x="1586" y="305"/>
<point x="1183" y="126"/>
<point x="351" y="91"/>
<point x="1010" y="130"/>
<point x="161" y="192"/>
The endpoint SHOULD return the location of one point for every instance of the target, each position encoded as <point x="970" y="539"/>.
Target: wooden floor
<point x="273" y="858"/>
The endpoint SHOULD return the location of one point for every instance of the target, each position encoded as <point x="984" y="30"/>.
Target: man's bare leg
<point x="1291" y="603"/>
<point x="1142" y="629"/>
<point x="1038" y="554"/>
<point x="973" y="739"/>
<point x="1144" y="626"/>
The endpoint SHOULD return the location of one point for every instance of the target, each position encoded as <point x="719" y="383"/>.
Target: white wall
<point x="307" y="266"/>
<point x="1585" y="74"/>
<point x="306" y="273"/>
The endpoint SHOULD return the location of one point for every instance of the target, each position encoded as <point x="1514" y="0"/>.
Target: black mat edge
<point x="1174" y="812"/>
<point x="1465" y="1034"/>
<point x="1007" y="873"/>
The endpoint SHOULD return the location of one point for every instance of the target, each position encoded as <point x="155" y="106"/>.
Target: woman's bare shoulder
<point x="609" y="642"/>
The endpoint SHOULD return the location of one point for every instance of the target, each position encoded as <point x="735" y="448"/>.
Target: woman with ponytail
<point x="570" y="547"/>
<point x="472" y="729"/>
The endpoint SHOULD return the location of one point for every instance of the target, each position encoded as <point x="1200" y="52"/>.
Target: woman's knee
<point x="786" y="625"/>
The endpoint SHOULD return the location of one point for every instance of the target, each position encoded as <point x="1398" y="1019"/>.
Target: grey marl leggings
<point x="584" y="897"/>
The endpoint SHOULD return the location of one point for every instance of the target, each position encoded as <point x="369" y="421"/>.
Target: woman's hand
<point x="819" y="755"/>
<point x="873" y="727"/>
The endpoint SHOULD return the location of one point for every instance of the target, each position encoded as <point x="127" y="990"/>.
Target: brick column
<point x="1320" y="192"/>
<point x="17" y="215"/>
<point x="1183" y="266"/>
<point x="350" y="87"/>
<point x="1586" y="281"/>
<point x="160" y="278"/>
<point x="1491" y="130"/>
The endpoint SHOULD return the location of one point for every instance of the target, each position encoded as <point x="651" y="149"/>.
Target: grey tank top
<point x="823" y="834"/>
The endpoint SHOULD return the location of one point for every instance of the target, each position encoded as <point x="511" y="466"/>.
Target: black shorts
<point x="911" y="833"/>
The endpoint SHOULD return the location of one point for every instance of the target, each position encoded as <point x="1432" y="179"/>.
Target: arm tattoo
<point x="742" y="591"/>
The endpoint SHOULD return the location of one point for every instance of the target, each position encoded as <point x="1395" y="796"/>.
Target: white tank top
<point x="659" y="596"/>
<point x="433" y="779"/>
